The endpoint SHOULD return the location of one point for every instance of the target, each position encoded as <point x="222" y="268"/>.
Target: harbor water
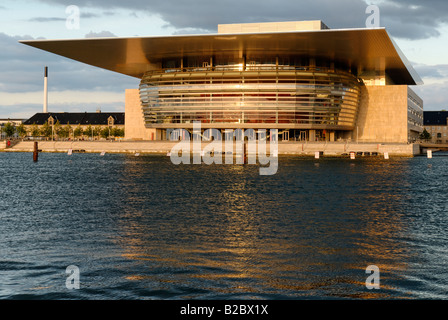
<point x="140" y="227"/>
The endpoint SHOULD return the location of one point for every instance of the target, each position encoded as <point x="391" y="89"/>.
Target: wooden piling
<point x="35" y="152"/>
<point x="245" y="154"/>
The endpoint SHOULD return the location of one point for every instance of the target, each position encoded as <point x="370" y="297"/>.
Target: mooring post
<point x="36" y="151"/>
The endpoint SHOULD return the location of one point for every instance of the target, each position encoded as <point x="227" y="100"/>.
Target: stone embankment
<point x="163" y="147"/>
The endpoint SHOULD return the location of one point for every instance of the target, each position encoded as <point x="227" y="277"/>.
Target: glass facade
<point x="281" y="96"/>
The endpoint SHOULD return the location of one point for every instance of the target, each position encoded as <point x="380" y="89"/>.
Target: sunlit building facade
<point x="436" y="123"/>
<point x="309" y="82"/>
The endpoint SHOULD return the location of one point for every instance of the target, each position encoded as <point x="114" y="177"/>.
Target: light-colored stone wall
<point x="285" y="26"/>
<point x="163" y="147"/>
<point x="382" y="115"/>
<point x="439" y="134"/>
<point x="134" y="121"/>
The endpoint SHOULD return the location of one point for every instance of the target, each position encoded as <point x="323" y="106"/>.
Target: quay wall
<point x="163" y="147"/>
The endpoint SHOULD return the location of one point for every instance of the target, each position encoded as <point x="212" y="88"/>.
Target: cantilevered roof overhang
<point x="364" y="49"/>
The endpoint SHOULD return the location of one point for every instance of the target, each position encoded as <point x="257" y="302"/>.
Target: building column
<point x="312" y="134"/>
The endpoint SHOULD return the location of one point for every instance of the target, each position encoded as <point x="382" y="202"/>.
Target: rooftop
<point x="435" y="118"/>
<point x="75" y="118"/>
<point x="363" y="49"/>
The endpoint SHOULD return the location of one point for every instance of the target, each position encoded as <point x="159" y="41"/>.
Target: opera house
<point x="308" y="81"/>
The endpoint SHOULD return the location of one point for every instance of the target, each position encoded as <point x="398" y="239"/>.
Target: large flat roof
<point x="358" y="48"/>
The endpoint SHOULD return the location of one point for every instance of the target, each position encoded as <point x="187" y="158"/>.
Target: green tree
<point x="425" y="135"/>
<point x="113" y="132"/>
<point x="46" y="130"/>
<point x="57" y="128"/>
<point x="21" y="131"/>
<point x="63" y="132"/>
<point x="9" y="129"/>
<point x="77" y="132"/>
<point x="105" y="133"/>
<point x="88" y="131"/>
<point x="117" y="132"/>
<point x="35" y="132"/>
<point x="69" y="129"/>
<point x="97" y="131"/>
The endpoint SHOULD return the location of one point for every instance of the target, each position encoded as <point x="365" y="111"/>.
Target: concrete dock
<point x="163" y="147"/>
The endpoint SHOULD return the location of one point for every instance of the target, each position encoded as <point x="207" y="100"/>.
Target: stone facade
<point x="387" y="114"/>
<point x="383" y="116"/>
<point x="134" y="122"/>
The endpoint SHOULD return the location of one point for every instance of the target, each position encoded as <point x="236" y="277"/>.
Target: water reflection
<point x="310" y="232"/>
<point x="141" y="227"/>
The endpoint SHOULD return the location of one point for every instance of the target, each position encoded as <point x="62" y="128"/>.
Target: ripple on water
<point x="143" y="228"/>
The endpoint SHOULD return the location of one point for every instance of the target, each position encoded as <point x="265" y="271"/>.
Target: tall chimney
<point x="46" y="90"/>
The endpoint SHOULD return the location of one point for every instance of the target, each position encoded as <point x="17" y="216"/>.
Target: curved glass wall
<point x="270" y="95"/>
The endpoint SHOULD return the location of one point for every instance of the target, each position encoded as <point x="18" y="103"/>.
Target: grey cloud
<point x="22" y="111"/>
<point x="85" y="15"/>
<point x="432" y="71"/>
<point x="434" y="92"/>
<point x="22" y="71"/>
<point x="205" y="14"/>
<point x="412" y="19"/>
<point x="89" y="15"/>
<point x="429" y="12"/>
<point x="433" y="95"/>
<point x="109" y="13"/>
<point x="46" y="19"/>
<point x="407" y="30"/>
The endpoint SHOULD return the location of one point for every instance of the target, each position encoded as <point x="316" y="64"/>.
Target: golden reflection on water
<point x="247" y="259"/>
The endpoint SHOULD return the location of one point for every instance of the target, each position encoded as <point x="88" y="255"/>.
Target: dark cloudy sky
<point x="420" y="28"/>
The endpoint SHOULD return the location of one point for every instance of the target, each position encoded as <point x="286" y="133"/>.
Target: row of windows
<point x="436" y="128"/>
<point x="415" y="104"/>
<point x="309" y="98"/>
<point x="251" y="61"/>
<point x="438" y="132"/>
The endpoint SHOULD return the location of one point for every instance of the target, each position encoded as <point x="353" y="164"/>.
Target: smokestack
<point x="46" y="90"/>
